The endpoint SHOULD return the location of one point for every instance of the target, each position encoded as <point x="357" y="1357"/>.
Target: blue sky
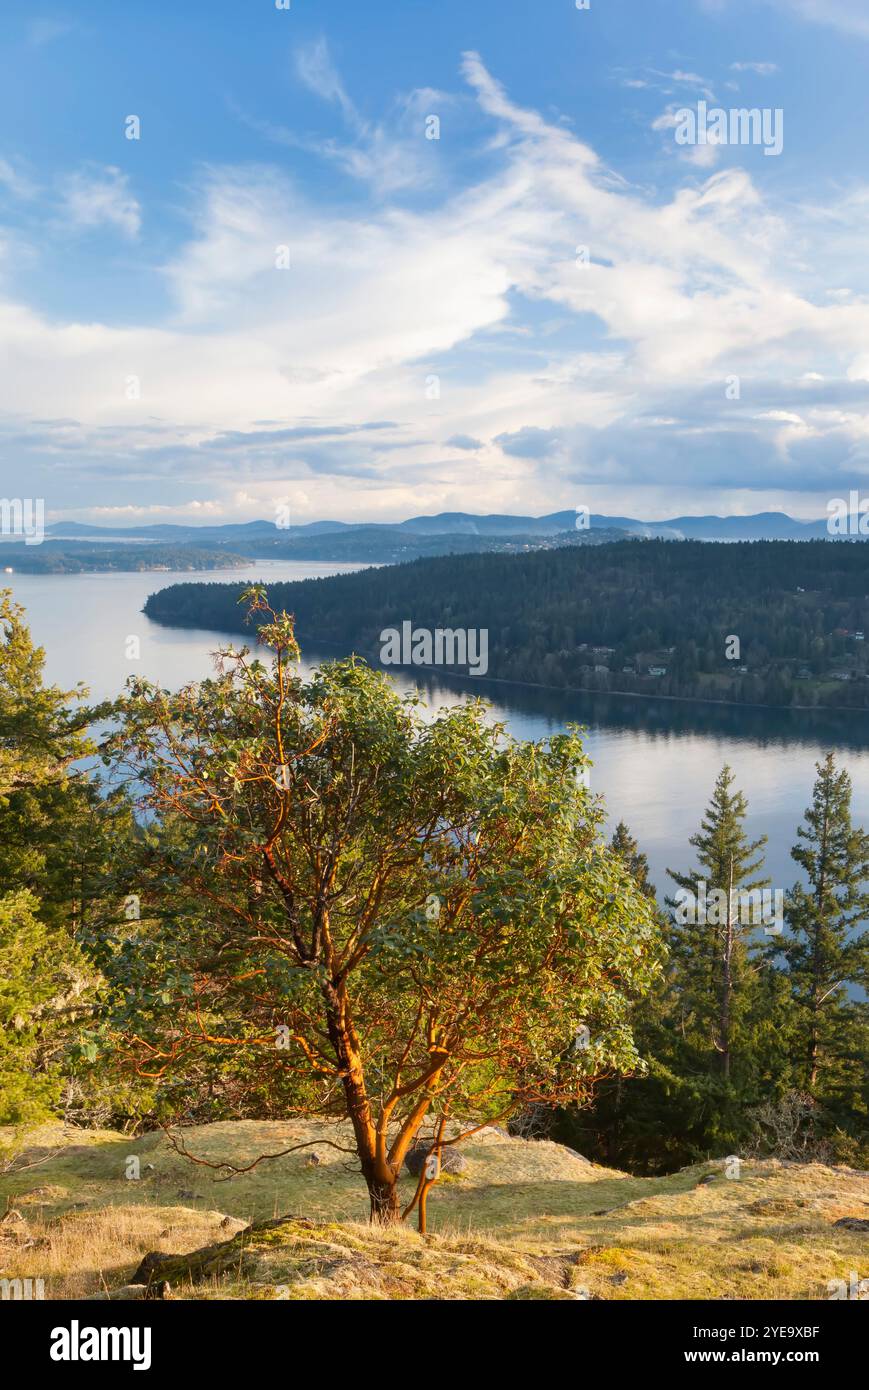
<point x="437" y="341"/>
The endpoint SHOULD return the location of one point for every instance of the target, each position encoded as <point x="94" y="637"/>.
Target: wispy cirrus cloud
<point x="387" y="154"/>
<point x="315" y="68"/>
<point x="16" y="183"/>
<point x="759" y="69"/>
<point x="97" y="197"/>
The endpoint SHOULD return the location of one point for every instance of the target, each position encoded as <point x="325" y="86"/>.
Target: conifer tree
<point x="31" y="965"/>
<point x="710" y="948"/>
<point x="625" y="845"/>
<point x="826" y="947"/>
<point x="624" y="1127"/>
<point x="42" y="971"/>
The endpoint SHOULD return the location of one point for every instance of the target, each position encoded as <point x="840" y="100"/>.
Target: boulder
<point x="233" y="1224"/>
<point x="574" y="1153"/>
<point x="451" y="1160"/>
<point x="129" y="1293"/>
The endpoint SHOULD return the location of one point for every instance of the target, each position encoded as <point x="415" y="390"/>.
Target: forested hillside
<point x="79" y="557"/>
<point x="651" y="617"/>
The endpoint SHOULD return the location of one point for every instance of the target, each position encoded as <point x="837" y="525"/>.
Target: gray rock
<point x="451" y="1160"/>
<point x="853" y="1223"/>
<point x="574" y="1153"/>
<point x="233" y="1224"/>
<point x="126" y="1293"/>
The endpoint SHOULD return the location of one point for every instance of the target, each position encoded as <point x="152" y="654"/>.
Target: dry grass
<point x="526" y="1220"/>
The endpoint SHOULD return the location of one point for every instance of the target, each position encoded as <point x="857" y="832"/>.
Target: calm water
<point x="654" y="760"/>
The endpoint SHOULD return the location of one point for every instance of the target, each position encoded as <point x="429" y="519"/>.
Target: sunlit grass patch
<point x="525" y="1220"/>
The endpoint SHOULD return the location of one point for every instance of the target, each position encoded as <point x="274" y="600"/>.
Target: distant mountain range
<point x="465" y="525"/>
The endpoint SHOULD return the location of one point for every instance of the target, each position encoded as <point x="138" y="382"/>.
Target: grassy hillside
<point x="525" y="1220"/>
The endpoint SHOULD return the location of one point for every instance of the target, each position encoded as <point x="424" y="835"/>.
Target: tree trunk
<point x="814" y="1030"/>
<point x="385" y="1208"/>
<point x="815" y="998"/>
<point x="379" y="1175"/>
<point x="423" y="1215"/>
<point x="727" y="982"/>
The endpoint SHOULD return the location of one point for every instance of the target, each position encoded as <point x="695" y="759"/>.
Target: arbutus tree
<point x="399" y="920"/>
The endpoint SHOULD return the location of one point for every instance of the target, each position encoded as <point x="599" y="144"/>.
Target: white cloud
<point x="684" y="290"/>
<point x="691" y="79"/>
<point x="100" y="197"/>
<point x="702" y="156"/>
<point x="663" y="80"/>
<point x="761" y="69"/>
<point x="314" y="67"/>
<point x="390" y="156"/>
<point x="16" y="183"/>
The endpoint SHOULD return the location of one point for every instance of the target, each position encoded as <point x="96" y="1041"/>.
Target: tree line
<point x="758" y="1037"/>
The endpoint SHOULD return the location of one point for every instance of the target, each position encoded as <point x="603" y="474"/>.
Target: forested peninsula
<point x="764" y="622"/>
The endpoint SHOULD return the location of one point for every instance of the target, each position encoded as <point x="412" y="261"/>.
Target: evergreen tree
<point x="624" y="845"/>
<point x="32" y="963"/>
<point x="826" y="947"/>
<point x="40" y="736"/>
<point x="44" y="808"/>
<point x="624" y="1128"/>
<point x="709" y="944"/>
<point x="694" y="1100"/>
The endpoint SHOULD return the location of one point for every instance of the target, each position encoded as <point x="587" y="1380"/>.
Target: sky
<point x="374" y="261"/>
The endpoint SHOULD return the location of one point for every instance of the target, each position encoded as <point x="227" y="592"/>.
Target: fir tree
<point x="826" y="948"/>
<point x="624" y="844"/>
<point x="31" y="964"/>
<point x="42" y="972"/>
<point x="711" y="956"/>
